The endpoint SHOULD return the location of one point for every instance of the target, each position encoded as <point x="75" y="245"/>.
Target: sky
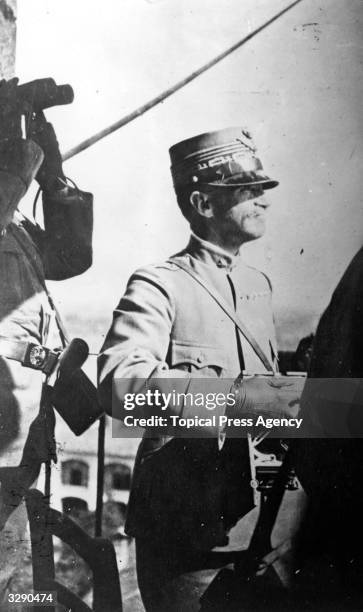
<point x="298" y="88"/>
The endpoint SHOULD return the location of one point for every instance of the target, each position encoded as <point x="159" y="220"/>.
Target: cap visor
<point x="244" y="181"/>
<point x="267" y="184"/>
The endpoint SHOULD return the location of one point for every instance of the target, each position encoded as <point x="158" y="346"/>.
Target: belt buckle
<point x="36" y="356"/>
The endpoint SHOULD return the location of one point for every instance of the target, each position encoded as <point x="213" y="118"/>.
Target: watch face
<point x="37" y="356"/>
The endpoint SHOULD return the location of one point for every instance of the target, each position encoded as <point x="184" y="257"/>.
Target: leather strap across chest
<point x="228" y="311"/>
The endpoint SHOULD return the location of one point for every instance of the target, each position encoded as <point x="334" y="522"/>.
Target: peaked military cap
<point x="223" y="158"/>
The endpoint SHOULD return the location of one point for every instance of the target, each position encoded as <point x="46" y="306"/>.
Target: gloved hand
<point x="270" y="396"/>
<point x="50" y="174"/>
<point x="10" y="110"/>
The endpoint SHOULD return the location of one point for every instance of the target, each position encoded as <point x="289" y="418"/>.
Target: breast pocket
<point x="207" y="361"/>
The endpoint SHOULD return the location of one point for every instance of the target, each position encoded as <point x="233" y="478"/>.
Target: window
<point x="117" y="476"/>
<point x="74" y="472"/>
<point x="75" y="477"/>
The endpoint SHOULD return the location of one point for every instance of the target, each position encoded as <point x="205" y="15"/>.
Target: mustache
<point x="259" y="213"/>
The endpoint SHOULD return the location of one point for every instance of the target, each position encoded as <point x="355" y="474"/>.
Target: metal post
<point x="100" y="475"/>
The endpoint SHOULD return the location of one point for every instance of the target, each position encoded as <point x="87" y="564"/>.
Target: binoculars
<point x="37" y="95"/>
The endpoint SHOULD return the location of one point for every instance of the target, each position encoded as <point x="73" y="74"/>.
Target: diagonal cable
<point x="85" y="144"/>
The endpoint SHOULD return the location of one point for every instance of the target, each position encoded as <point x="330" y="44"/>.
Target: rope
<point x="85" y="144"/>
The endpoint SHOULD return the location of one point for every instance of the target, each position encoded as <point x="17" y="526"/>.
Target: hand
<point x="275" y="396"/>
<point x="51" y="169"/>
<point x="10" y="110"/>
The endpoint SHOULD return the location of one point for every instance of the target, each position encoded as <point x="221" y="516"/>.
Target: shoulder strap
<point x="228" y="311"/>
<point x="20" y="239"/>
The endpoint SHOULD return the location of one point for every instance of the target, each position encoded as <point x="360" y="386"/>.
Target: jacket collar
<point x="210" y="253"/>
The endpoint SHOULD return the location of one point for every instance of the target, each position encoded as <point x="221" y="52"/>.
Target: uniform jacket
<point x="167" y="328"/>
<point x="28" y="256"/>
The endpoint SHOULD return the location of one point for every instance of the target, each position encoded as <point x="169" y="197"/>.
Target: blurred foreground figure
<point x="193" y="324"/>
<point x="29" y="336"/>
<point x="331" y="470"/>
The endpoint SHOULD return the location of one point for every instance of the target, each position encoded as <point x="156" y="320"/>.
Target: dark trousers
<point x="171" y="580"/>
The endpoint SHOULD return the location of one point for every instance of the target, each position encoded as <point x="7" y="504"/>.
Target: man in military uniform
<point x="28" y="330"/>
<point x="329" y="465"/>
<point x="201" y="315"/>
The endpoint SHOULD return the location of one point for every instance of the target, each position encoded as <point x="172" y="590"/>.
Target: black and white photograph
<point x="181" y="306"/>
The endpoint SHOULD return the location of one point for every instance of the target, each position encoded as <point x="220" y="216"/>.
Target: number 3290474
<point x="35" y="598"/>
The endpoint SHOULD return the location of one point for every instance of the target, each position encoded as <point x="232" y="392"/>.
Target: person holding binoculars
<point x="29" y="254"/>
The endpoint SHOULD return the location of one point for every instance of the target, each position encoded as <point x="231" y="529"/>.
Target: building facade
<point x="74" y="477"/>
